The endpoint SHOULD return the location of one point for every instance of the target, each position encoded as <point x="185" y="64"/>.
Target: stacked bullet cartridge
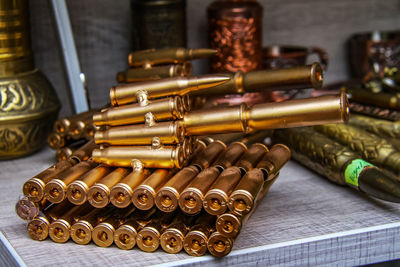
<point x="153" y="177"/>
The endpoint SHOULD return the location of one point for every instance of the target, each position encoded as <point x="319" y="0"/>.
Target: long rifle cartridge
<point x="121" y="193"/>
<point x="125" y="235"/>
<point x="62" y="126"/>
<point x="81" y="231"/>
<point x="60" y="229"/>
<point x="383" y="100"/>
<point x="77" y="191"/>
<point x="191" y="199"/>
<point x="141" y="91"/>
<point x="339" y="163"/>
<point x="216" y="199"/>
<point x="28" y="210"/>
<point x="34" y="187"/>
<point x="286" y="114"/>
<point x="195" y="242"/>
<point x="167" y="197"/>
<point x="309" y="76"/>
<point x="167" y="56"/>
<point x="84" y="152"/>
<point x="103" y="233"/>
<point x="122" y="156"/>
<point x="55" y="190"/>
<point x="205" y="158"/>
<point x="153" y="73"/>
<point x="143" y="196"/>
<point x="172" y="238"/>
<point x="229" y="224"/>
<point x="169" y="108"/>
<point x="99" y="193"/>
<point x="274" y="160"/>
<point x="148" y="238"/>
<point x="64" y="153"/>
<point x="38" y="228"/>
<point x="219" y="245"/>
<point x="251" y="157"/>
<point x="230" y="156"/>
<point x="142" y="134"/>
<point x="372" y="148"/>
<point x="56" y="141"/>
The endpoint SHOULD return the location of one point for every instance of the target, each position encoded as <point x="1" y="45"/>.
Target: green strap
<point x="353" y="171"/>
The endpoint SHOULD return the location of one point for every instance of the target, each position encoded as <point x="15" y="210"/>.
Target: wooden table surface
<point x="304" y="220"/>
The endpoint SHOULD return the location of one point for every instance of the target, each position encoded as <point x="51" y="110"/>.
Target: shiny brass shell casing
<point x="77" y="191"/>
<point x="38" y="228"/>
<point x="195" y="242"/>
<point x="206" y="157"/>
<point x="219" y="245"/>
<point x="55" y="190"/>
<point x="63" y="153"/>
<point x="62" y="125"/>
<point x="56" y="141"/>
<point x="274" y="160"/>
<point x="99" y="193"/>
<point x="230" y="156"/>
<point x="153" y="73"/>
<point x="384" y="100"/>
<point x="167" y="197"/>
<point x="169" y="108"/>
<point x="164" y="132"/>
<point x="28" y="210"/>
<point x="121" y="193"/>
<point x="131" y="93"/>
<point x="286" y="114"/>
<point x="34" y="187"/>
<point x="310" y="76"/>
<point x="241" y="200"/>
<point x="167" y="56"/>
<point x="84" y="152"/>
<point x="143" y="196"/>
<point x="229" y="224"/>
<point x="216" y="199"/>
<point x="191" y="199"/>
<point x="122" y="156"/>
<point x="251" y="157"/>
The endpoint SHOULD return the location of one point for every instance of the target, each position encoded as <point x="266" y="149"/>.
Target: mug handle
<point x="322" y="55"/>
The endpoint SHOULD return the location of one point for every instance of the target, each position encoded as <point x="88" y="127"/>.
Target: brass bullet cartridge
<point x="99" y="194"/>
<point x="301" y="77"/>
<point x="382" y="128"/>
<point x="230" y="156"/>
<point x="148" y="238"/>
<point x="121" y="193"/>
<point x="125" y="235"/>
<point x="251" y="157"/>
<point x="195" y="242"/>
<point x="55" y="190"/>
<point x="103" y="233"/>
<point x="242" y="199"/>
<point x="274" y="160"/>
<point x="167" y="56"/>
<point x="383" y="100"/>
<point x="339" y="163"/>
<point x="165" y="133"/>
<point x="38" y="228"/>
<point x="169" y="108"/>
<point x="34" y="187"/>
<point x="137" y="92"/>
<point x="77" y="130"/>
<point x="122" y="156"/>
<point x="56" y="141"/>
<point x="84" y="152"/>
<point x="81" y="231"/>
<point x="167" y="197"/>
<point x="152" y="73"/>
<point x="191" y="199"/>
<point x="219" y="245"/>
<point x="62" y="126"/>
<point x="374" y="111"/>
<point x="216" y="199"/>
<point x="372" y="148"/>
<point x="60" y="229"/>
<point x="77" y="191"/>
<point x="206" y="157"/>
<point x="28" y="210"/>
<point x="171" y="239"/>
<point x="143" y="196"/>
<point x="63" y="153"/>
<point x="229" y="224"/>
<point x="90" y="129"/>
<point x="286" y="114"/>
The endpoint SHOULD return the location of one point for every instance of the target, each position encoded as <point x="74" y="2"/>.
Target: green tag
<point x="353" y="170"/>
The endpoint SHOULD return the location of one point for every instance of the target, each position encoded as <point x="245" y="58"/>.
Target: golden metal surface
<point x="167" y="56"/>
<point x="384" y="100"/>
<point x="152" y="73"/>
<point x="229" y="224"/>
<point x="207" y="156"/>
<point x="169" y="108"/>
<point x="122" y="156"/>
<point x="130" y="93"/>
<point x="382" y="128"/>
<point x="230" y="156"/>
<point x="28" y="210"/>
<point x="251" y="157"/>
<point x="195" y="242"/>
<point x="84" y="152"/>
<point x="38" y="228"/>
<point x="274" y="160"/>
<point x="219" y="245"/>
<point x="165" y="132"/>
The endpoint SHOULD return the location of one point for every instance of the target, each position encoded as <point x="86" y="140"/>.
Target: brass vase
<point x="28" y="102"/>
